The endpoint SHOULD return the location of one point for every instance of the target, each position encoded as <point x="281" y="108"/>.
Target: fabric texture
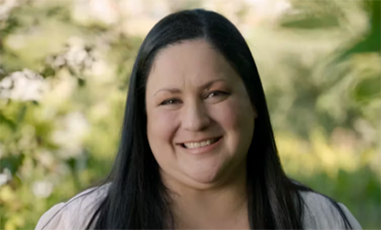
<point x="319" y="213"/>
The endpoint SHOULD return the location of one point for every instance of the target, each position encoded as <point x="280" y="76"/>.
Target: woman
<point x="197" y="149"/>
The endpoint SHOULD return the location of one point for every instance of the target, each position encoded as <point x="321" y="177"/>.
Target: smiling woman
<point x="197" y="149"/>
<point x="200" y="130"/>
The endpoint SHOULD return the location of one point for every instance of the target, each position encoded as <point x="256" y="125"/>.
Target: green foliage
<point x="367" y="90"/>
<point x="64" y="80"/>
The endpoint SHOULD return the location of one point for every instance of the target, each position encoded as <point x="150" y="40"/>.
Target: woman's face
<point x="200" y="120"/>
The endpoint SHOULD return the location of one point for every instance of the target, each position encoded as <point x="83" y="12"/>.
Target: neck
<point x="222" y="207"/>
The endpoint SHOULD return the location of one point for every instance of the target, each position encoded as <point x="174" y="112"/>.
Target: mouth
<point x="199" y="144"/>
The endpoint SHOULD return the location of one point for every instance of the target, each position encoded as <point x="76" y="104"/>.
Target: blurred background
<point x="64" y="73"/>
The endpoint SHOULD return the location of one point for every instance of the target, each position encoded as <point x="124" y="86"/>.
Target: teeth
<point x="193" y="145"/>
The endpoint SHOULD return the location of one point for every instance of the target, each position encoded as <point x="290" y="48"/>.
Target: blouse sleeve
<point x="320" y="213"/>
<point x="352" y="220"/>
<point x="74" y="214"/>
<point x="54" y="218"/>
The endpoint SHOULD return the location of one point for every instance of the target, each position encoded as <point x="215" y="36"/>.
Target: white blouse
<point x="319" y="213"/>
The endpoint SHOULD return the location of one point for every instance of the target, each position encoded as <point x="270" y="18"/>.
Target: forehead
<point x="194" y="62"/>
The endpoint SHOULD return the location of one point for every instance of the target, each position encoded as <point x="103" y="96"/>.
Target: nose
<point x="195" y="117"/>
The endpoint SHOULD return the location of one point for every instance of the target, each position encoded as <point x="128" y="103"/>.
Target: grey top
<point x="319" y="213"/>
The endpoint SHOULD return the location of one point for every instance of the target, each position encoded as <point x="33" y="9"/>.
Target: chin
<point x="207" y="171"/>
<point x="203" y="178"/>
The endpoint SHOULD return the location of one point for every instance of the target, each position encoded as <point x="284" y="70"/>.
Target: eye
<point x="170" y="102"/>
<point x="216" y="94"/>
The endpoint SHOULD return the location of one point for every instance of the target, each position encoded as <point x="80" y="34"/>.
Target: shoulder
<point x="75" y="213"/>
<point x="320" y="213"/>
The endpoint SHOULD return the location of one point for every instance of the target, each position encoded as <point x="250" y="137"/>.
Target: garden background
<point x="64" y="72"/>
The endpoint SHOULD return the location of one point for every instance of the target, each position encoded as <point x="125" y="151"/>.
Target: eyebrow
<point x="178" y="91"/>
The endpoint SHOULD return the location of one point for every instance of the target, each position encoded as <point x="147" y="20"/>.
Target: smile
<point x="202" y="146"/>
<point x="193" y="145"/>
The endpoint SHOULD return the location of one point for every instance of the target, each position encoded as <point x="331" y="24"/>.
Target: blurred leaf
<point x="8" y="122"/>
<point x="8" y="26"/>
<point x="370" y="44"/>
<point x="372" y="41"/>
<point x="21" y="113"/>
<point x="310" y="22"/>
<point x="59" y="12"/>
<point x="71" y="162"/>
<point x="12" y="162"/>
<point x="48" y="72"/>
<point x="375" y="15"/>
<point x="81" y="82"/>
<point x="367" y="89"/>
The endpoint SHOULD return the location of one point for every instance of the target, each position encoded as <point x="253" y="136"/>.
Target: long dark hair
<point x="137" y="198"/>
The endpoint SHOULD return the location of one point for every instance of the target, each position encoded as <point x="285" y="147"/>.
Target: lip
<point x="203" y="149"/>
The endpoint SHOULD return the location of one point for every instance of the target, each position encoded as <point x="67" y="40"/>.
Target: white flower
<point x="104" y="11"/>
<point x="23" y="85"/>
<point x="70" y="136"/>
<point x="6" y="6"/>
<point x="42" y="189"/>
<point x="75" y="55"/>
<point x="5" y="176"/>
<point x="88" y="11"/>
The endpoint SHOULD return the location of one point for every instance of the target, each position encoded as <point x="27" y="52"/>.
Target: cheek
<point x="160" y="128"/>
<point x="234" y="114"/>
<point x="237" y="120"/>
